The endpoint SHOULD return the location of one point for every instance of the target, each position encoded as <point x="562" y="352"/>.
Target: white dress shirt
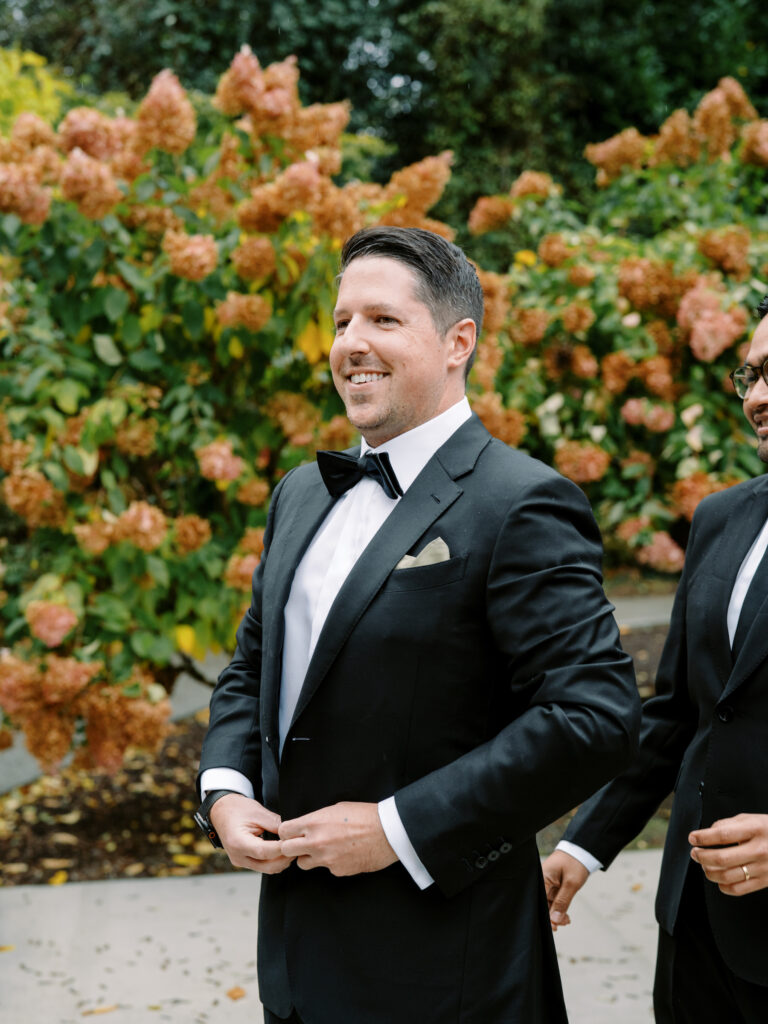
<point x="740" y="587"/>
<point x="346" y="531"/>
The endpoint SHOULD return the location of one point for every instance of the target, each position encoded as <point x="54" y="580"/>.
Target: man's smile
<point x="365" y="378"/>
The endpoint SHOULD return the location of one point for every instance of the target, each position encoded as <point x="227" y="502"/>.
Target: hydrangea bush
<point x="166" y="293"/>
<point x="624" y="320"/>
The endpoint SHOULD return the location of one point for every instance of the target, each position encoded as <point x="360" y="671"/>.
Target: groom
<point x="429" y="672"/>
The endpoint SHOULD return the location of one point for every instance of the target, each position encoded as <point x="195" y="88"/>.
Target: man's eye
<point x="340" y="325"/>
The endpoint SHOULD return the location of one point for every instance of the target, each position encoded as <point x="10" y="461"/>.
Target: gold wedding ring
<point x="746" y="873"/>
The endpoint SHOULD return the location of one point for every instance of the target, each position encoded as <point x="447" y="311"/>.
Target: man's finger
<point x="725" y="832"/>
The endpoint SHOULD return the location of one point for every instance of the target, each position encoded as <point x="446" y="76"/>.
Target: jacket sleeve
<point x="573" y="687"/>
<point x="233" y="739"/>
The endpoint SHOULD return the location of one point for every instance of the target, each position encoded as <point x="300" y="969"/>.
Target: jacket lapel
<point x="300" y="522"/>
<point x="755" y="646"/>
<point x="434" y="490"/>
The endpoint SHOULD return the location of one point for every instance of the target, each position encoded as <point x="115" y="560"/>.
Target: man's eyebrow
<point x="371" y="307"/>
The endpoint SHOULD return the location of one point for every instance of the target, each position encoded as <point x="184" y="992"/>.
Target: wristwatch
<point x="202" y="815"/>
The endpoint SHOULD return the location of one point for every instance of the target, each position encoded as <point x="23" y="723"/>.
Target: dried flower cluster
<point x="295" y="416"/>
<point x="710" y="328"/>
<point x="582" y="462"/>
<point x="165" y="118"/>
<point x="688" y="492"/>
<point x="661" y="554"/>
<point x="506" y="424"/>
<point x="641" y="412"/>
<point x="238" y="310"/>
<point x="33" y="497"/>
<point x="218" y="462"/>
<point x="141" y="524"/>
<point x="192" y="256"/>
<point x="727" y="248"/>
<point x="529" y="326"/>
<point x="489" y="214"/>
<point x="191" y="532"/>
<point x="50" y="622"/>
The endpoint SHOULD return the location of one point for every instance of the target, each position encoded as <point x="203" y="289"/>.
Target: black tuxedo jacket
<point x="705" y="735"/>
<point x="487" y="692"/>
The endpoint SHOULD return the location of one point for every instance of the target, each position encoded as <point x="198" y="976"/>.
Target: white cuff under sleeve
<point x="590" y="863"/>
<point x="225" y="778"/>
<point x="398" y="839"/>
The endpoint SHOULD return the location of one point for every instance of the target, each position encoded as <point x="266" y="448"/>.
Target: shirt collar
<point x="410" y="452"/>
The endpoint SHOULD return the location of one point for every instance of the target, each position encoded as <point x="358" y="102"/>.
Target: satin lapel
<point x="736" y="538"/>
<point x="755" y="646"/>
<point x="298" y="522"/>
<point x="433" y="491"/>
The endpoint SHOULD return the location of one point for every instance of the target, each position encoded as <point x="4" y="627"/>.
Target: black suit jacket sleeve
<point x="573" y="701"/>
<point x="614" y="815"/>
<point x="235" y="703"/>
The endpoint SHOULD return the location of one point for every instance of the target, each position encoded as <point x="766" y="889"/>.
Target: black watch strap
<point x="203" y="815"/>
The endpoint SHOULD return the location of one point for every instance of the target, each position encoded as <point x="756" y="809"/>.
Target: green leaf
<point x="116" y="303"/>
<point x="81" y="461"/>
<point x="131" y="332"/>
<point x="194" y="320"/>
<point x="107" y="350"/>
<point x="133" y="276"/>
<point x="158" y="570"/>
<point x="67" y="395"/>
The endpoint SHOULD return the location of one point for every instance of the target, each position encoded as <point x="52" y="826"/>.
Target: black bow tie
<point x="341" y="471"/>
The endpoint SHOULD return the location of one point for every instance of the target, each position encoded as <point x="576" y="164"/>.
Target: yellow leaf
<point x="310" y="341"/>
<point x="185" y="638"/>
<point x="236" y="993"/>
<point x="187" y="860"/>
<point x="98" y="1010"/>
<point x="58" y="878"/>
<point x="7" y="949"/>
<point x="236" y="349"/>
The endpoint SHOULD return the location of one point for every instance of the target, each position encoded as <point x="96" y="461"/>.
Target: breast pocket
<point x="424" y="577"/>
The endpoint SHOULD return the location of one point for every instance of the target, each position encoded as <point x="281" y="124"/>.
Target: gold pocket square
<point x="435" y="551"/>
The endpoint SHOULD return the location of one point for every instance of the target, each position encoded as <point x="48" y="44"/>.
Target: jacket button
<point x="494" y="855"/>
<point x="701" y="788"/>
<point x="505" y="848"/>
<point x="725" y="713"/>
<point x="481" y="863"/>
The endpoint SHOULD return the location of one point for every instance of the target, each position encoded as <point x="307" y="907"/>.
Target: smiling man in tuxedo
<point x="429" y="672"/>
<point x="705" y="736"/>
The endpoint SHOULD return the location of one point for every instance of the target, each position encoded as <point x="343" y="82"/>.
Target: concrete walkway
<point x="183" y="950"/>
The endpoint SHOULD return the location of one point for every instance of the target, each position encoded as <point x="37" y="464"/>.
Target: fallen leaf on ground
<point x="236" y="993"/>
<point x="98" y="1010"/>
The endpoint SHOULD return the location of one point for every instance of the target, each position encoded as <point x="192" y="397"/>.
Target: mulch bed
<point x="77" y="826"/>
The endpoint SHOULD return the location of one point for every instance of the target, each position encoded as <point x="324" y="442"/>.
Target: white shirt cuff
<point x="590" y="863"/>
<point x="398" y="839"/>
<point x="225" y="778"/>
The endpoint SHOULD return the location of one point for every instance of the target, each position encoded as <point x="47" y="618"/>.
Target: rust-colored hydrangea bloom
<point x="533" y="183"/>
<point x="506" y="424"/>
<point x="553" y="250"/>
<point x="89" y="184"/>
<point x="728" y="248"/>
<point x="33" y="497"/>
<point x="166" y="119"/>
<point x="688" y="492"/>
<point x="489" y="213"/>
<point x="577" y="317"/>
<point x="584" y="363"/>
<point x="90" y="131"/>
<point x="755" y="148"/>
<point x="627" y="150"/>
<point x="529" y="325"/>
<point x="252" y="541"/>
<point x="21" y="193"/>
<point x="191" y="533"/>
<point x="141" y="524"/>
<point x="662" y="554"/>
<point x="239" y="571"/>
<point x="135" y="436"/>
<point x="253" y="492"/>
<point x="254" y="258"/>
<point x="296" y="417"/>
<point x="50" y="622"/>
<point x="495" y="299"/>
<point x="249" y="311"/>
<point x="192" y="256"/>
<point x="582" y="461"/>
<point x="218" y="462"/>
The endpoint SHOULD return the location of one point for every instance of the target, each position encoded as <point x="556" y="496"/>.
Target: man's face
<point x="756" y="402"/>
<point x="390" y="365"/>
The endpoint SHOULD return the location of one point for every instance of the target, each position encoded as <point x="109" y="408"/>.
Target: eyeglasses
<point x="747" y="375"/>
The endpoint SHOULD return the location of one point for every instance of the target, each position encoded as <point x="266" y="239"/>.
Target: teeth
<point x="365" y="378"/>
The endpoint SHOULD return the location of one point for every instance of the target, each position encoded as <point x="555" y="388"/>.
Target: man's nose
<point x="354" y="336"/>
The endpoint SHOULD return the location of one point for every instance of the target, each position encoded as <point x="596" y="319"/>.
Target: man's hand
<point x="240" y="823"/>
<point x="563" y="877"/>
<point x="346" y="838"/>
<point x="743" y="842"/>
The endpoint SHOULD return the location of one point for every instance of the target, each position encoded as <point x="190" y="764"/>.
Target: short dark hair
<point x="762" y="307"/>
<point x="448" y="284"/>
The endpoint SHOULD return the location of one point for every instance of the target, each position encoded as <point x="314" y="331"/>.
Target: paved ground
<point x="182" y="950"/>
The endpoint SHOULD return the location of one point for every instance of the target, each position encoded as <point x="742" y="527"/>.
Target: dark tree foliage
<point x="504" y="85"/>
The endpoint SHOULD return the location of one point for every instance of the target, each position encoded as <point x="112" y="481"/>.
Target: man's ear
<point x="461" y="337"/>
